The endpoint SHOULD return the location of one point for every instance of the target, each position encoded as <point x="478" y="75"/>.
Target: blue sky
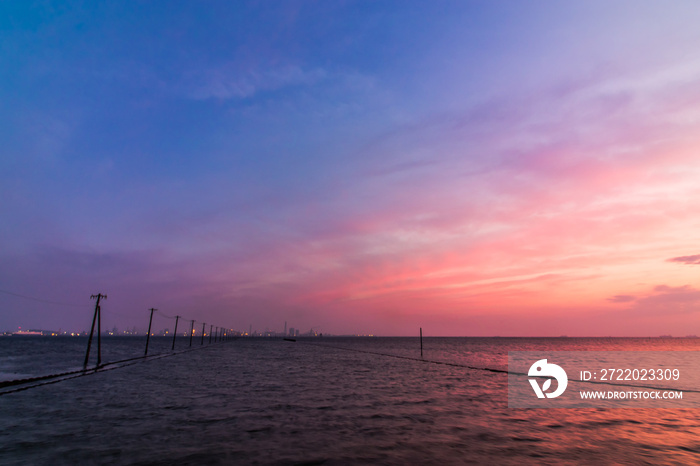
<point x="356" y="166"/>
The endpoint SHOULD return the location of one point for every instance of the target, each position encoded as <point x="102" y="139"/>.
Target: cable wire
<point x="42" y="300"/>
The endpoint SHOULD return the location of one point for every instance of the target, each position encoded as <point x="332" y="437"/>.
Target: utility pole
<point x="203" y="325"/>
<point x="191" y="332"/>
<point x="95" y="317"/>
<point x="421" y="342"/>
<point x="175" y="332"/>
<point x="210" y="328"/>
<point x="148" y="335"/>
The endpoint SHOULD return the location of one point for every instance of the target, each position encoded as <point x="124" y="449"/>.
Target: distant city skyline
<point x="133" y="331"/>
<point x="198" y="329"/>
<point x="472" y="168"/>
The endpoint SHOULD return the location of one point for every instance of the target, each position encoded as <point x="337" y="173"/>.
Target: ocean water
<point x="319" y="401"/>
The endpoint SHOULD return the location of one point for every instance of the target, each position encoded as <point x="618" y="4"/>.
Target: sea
<point x="330" y="400"/>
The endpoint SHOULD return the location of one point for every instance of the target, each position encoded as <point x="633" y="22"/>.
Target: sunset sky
<point x="469" y="167"/>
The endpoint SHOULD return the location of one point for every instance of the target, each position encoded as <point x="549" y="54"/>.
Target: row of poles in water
<point x="220" y="334"/>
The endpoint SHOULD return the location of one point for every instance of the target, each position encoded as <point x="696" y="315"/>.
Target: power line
<point x="41" y="300"/>
<point x="25" y="384"/>
<point x="485" y="369"/>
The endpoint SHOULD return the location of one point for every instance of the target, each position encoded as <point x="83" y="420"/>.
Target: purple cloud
<point x="689" y="260"/>
<point x="622" y="298"/>
<point x="668" y="300"/>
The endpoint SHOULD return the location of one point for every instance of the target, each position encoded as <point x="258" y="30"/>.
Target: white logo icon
<point x="542" y="369"/>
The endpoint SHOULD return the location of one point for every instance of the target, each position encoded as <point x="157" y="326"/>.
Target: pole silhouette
<point x="148" y="335"/>
<point x="203" y="325"/>
<point x="99" y="333"/>
<point x="191" y="333"/>
<point x="175" y="332"/>
<point x="210" y="327"/>
<point x="421" y="342"/>
<point x="95" y="317"/>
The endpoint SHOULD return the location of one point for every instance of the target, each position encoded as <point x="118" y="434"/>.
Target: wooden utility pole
<point x="95" y="317"/>
<point x="148" y="335"/>
<point x="175" y="332"/>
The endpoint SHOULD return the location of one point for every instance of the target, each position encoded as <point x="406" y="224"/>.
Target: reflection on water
<point x="269" y="401"/>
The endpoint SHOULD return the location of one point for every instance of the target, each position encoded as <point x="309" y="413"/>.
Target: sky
<point x="473" y="168"/>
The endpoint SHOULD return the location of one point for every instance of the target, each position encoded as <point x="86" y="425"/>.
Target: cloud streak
<point x="367" y="175"/>
<point x="232" y="82"/>
<point x="688" y="260"/>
